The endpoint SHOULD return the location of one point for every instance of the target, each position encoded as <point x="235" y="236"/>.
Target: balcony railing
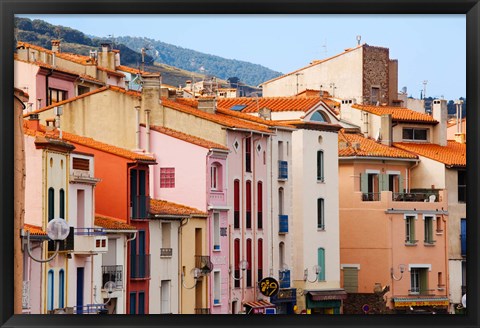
<point x="204" y="264"/>
<point x="415" y="197"/>
<point x="89" y="232"/>
<point x="282" y="170"/>
<point x="282" y="223"/>
<point x="112" y="273"/>
<point x="371" y="196"/>
<point x="90" y="240"/>
<point x="140" y="266"/>
<point x="202" y="311"/>
<point x="165" y="252"/>
<point x="89" y="309"/>
<point x="139" y="207"/>
<point x="284" y="278"/>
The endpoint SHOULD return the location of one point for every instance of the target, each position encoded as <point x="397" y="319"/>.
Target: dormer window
<point x="319" y="117"/>
<point x="414" y="134"/>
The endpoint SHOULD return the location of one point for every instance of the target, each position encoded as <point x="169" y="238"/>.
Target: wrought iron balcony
<point x="140" y="266"/>
<point x="282" y="170"/>
<point x="371" y="196"/>
<point x="165" y="252"/>
<point x="204" y="264"/>
<point x="112" y="273"/>
<point x="415" y="197"/>
<point x="282" y="223"/>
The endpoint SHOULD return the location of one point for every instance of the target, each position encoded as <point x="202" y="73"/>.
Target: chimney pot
<point x="55" y="45"/>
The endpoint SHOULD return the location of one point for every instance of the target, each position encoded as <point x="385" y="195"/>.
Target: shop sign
<point x="421" y="303"/>
<point x="268" y="286"/>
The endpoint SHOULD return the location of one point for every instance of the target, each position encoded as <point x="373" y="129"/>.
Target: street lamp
<point x="57" y="230"/>
<point x="195" y="272"/>
<point x="243" y="266"/>
<point x="402" y="268"/>
<point x="316" y="268"/>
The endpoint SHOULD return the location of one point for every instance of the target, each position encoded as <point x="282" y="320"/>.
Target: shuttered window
<point x="81" y="164"/>
<point x="350" y="280"/>
<point x="321" y="264"/>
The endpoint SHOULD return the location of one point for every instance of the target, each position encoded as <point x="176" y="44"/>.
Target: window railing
<point x="165" y="252"/>
<point x="202" y="311"/>
<point x="112" y="273"/>
<point x="89" y="231"/>
<point x="415" y="197"/>
<point x="139" y="207"/>
<point x="140" y="266"/>
<point x="284" y="278"/>
<point x="89" y="309"/>
<point x="419" y="291"/>
<point x="282" y="170"/>
<point x="282" y="223"/>
<point x="411" y="241"/>
<point x="371" y="196"/>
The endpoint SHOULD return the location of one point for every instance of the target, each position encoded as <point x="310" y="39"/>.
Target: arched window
<point x="61" y="288"/>
<point x="248" y="204"/>
<point x="320" y="176"/>
<point x="259" y="205"/>
<point x="51" y="203"/>
<point x="260" y="259"/>
<point x="236" y="204"/>
<point x="319" y="117"/>
<point x="236" y="260"/>
<point x="50" y="290"/>
<point x="62" y="203"/>
<point x="250" y="264"/>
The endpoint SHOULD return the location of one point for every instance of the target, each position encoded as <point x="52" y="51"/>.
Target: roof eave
<point x="379" y="158"/>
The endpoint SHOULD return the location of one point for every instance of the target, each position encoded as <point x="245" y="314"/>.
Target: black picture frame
<point x="471" y="8"/>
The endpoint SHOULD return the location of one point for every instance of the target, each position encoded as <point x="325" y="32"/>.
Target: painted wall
<point x="25" y="79"/>
<point x="428" y="173"/>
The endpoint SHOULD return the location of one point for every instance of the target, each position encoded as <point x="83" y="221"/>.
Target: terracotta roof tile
<point x="163" y="207"/>
<point x="186" y="137"/>
<point x="354" y="144"/>
<point x="111" y="223"/>
<point x="252" y="118"/>
<point x="275" y="104"/>
<point x="110" y="71"/>
<point x="398" y="113"/>
<point x="34" y="230"/>
<point x="218" y="118"/>
<point x="453" y="154"/>
<point x="87" y="142"/>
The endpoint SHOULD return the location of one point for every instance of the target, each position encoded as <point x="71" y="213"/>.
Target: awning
<point x="259" y="304"/>
<point x="420" y="301"/>
<point x="327" y="295"/>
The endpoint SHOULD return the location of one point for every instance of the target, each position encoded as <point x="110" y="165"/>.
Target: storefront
<point x="257" y="307"/>
<point x="421" y="305"/>
<point x="285" y="300"/>
<point x="325" y="301"/>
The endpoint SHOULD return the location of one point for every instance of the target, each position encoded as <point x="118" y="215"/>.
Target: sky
<point x="429" y="48"/>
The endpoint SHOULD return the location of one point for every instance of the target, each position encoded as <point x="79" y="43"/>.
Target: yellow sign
<point x="269" y="286"/>
<point x="421" y="303"/>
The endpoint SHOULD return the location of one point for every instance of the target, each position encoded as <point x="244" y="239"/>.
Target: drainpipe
<point x="254" y="228"/>
<point x="137" y="126"/>
<point x="147" y="124"/>
<point x="244" y="210"/>
<point x="179" y="282"/>
<point x="271" y="206"/>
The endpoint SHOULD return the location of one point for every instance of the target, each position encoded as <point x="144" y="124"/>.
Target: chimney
<point x="265" y="113"/>
<point x="386" y="128"/>
<point x="207" y="104"/>
<point x="460" y="137"/>
<point x="439" y="113"/>
<point x="106" y="46"/>
<point x="34" y="122"/>
<point x="55" y="45"/>
<point x="106" y="57"/>
<point x="151" y="96"/>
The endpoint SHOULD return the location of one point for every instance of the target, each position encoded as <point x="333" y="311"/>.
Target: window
<point x="236" y="259"/>
<point x="462" y="186"/>
<point x="55" y="96"/>
<point x="440" y="280"/>
<point x="82" y="90"/>
<point x="51" y="289"/>
<point x="138" y="194"/>
<point x="249" y="260"/>
<point x="320" y="214"/>
<point x="216" y="177"/>
<point x="165" y="297"/>
<point x="439" y="225"/>
<point x="280" y="201"/>
<point x="319" y="117"/>
<point x="281" y="255"/>
<point x="370" y="186"/>
<point x="236" y="204"/>
<point x="248" y="205"/>
<point x="248" y="154"/>
<point x="80" y="208"/>
<point x="321" y="264"/>
<point x="280" y="150"/>
<point x="375" y="96"/>
<point x="428" y="229"/>
<point x="62" y="203"/>
<point x="141" y="303"/>
<point x="82" y="164"/>
<point x="419" y="281"/>
<point x="260" y="205"/>
<point x="61" y="288"/>
<point x="350" y="279"/>
<point x="216" y="231"/>
<point x="260" y="259"/>
<point x="410" y="230"/>
<point x="320" y="176"/>
<point x="51" y="204"/>
<point x="216" y="288"/>
<point x="394" y="183"/>
<point x="133" y="303"/>
<point x="414" y="134"/>
<point x="166" y="250"/>
<point x="167" y="177"/>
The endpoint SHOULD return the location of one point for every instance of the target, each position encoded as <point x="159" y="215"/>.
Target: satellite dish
<point x="109" y="286"/>
<point x="58" y="229"/>
<point x="464" y="301"/>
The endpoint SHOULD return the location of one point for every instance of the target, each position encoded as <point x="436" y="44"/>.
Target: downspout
<point x="271" y="207"/>
<point x="137" y="126"/>
<point x="208" y="232"/>
<point x="447" y="271"/>
<point x="179" y="281"/>
<point x="254" y="228"/>
<point x="243" y="229"/>
<point x="127" y="277"/>
<point x="147" y="124"/>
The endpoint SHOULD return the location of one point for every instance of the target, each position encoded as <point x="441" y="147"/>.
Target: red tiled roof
<point x="252" y="118"/>
<point x="132" y="93"/>
<point x="314" y="63"/>
<point x="218" y="118"/>
<point x="453" y="154"/>
<point x="163" y="207"/>
<point x="275" y="104"/>
<point x="186" y="137"/>
<point x="367" y="147"/>
<point x="111" y="223"/>
<point x="110" y="71"/>
<point x="34" y="230"/>
<point x="453" y="122"/>
<point x="87" y="142"/>
<point x="398" y="113"/>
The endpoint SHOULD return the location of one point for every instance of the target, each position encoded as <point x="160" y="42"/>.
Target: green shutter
<point x="321" y="264"/>
<point x="401" y="184"/>
<point x="350" y="280"/>
<point x="423" y="281"/>
<point x="383" y="183"/>
<point x="364" y="182"/>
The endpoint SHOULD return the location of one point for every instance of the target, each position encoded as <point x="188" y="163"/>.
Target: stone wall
<point x="376" y="72"/>
<point x="355" y="302"/>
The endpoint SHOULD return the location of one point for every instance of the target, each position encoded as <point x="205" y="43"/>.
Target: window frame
<point x="321" y="213"/>
<point x="410" y="229"/>
<point x="167" y="177"/>
<point x="428" y="229"/>
<point x="414" y="137"/>
<point x="320" y="166"/>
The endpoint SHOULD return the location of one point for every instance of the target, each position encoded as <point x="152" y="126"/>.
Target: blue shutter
<point x="463" y="236"/>
<point x="50" y="289"/>
<point x="61" y="289"/>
